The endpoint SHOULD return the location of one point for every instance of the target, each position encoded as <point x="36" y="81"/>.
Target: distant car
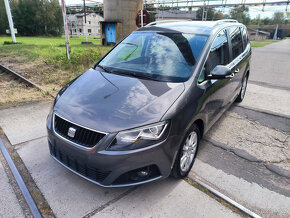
<point x="138" y="115"/>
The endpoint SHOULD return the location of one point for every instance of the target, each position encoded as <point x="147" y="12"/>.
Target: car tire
<point x="187" y="153"/>
<point x="242" y="93"/>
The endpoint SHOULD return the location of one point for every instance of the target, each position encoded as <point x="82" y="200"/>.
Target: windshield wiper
<point x="104" y="68"/>
<point x="136" y="75"/>
<point x="128" y="43"/>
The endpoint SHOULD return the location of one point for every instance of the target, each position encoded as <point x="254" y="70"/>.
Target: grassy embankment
<point x="262" y="43"/>
<point x="44" y="61"/>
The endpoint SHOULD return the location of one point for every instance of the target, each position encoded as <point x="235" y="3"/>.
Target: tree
<point x="211" y="14"/>
<point x="219" y="15"/>
<point x="38" y="17"/>
<point x="278" y="18"/>
<point x="241" y="14"/>
<point x="52" y="17"/>
<point x="3" y="18"/>
<point x="266" y="21"/>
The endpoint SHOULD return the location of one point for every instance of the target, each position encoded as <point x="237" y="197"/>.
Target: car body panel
<point x="111" y="103"/>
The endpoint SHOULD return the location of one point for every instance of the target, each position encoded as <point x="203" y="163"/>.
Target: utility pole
<point x="257" y="31"/>
<point x="142" y="16"/>
<point x="8" y="11"/>
<point x="85" y="14"/>
<point x="204" y="11"/>
<point x="65" y="28"/>
<point x="275" y="34"/>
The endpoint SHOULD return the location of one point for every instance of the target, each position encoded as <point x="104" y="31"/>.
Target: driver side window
<point x="218" y="55"/>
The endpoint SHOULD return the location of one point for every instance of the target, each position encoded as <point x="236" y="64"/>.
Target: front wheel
<point x="241" y="96"/>
<point x="187" y="153"/>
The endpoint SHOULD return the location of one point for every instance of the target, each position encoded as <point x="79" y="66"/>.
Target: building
<point x="258" y="35"/>
<point x="78" y="27"/>
<point x="119" y="19"/>
<point x="175" y="15"/>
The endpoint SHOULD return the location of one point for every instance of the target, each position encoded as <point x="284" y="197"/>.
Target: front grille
<point x="83" y="136"/>
<point x="78" y="166"/>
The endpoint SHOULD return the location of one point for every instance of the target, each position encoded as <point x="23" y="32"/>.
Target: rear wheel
<point x="187" y="153"/>
<point x="241" y="96"/>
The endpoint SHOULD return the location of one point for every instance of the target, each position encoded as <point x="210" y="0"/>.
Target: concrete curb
<point x="278" y="170"/>
<point x="28" y="198"/>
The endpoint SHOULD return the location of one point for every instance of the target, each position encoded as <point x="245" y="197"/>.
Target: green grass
<point x="262" y="43"/>
<point x="48" y="48"/>
<point x="44" y="56"/>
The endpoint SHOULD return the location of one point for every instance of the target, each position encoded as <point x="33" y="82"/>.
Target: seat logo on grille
<point x="71" y="132"/>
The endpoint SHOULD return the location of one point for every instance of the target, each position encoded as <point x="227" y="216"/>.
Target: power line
<point x="213" y="3"/>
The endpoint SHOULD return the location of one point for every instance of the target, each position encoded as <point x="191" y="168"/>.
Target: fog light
<point x="143" y="173"/>
<point x="138" y="175"/>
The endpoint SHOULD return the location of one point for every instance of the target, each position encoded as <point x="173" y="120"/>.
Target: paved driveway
<point x="245" y="156"/>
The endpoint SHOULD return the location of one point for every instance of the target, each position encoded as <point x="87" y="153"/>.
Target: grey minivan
<point x="138" y="115"/>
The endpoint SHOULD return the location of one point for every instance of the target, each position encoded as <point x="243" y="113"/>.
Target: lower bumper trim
<point x="107" y="186"/>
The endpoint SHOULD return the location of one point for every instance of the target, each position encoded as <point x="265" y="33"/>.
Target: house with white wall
<point x="78" y="27"/>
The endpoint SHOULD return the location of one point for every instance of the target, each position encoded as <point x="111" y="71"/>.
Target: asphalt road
<point x="241" y="155"/>
<point x="270" y="66"/>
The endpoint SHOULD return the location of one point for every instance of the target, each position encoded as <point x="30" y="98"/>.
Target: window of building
<point x="89" y="22"/>
<point x="218" y="55"/>
<point x="75" y="30"/>
<point x="80" y="30"/>
<point x="89" y="30"/>
<point x="237" y="43"/>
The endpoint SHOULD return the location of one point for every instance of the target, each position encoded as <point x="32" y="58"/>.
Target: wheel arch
<point x="200" y="124"/>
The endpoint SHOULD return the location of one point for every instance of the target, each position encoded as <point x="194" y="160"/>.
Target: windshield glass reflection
<point x="160" y="56"/>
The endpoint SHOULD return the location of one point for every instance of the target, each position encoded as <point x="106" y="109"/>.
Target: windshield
<point x="159" y="56"/>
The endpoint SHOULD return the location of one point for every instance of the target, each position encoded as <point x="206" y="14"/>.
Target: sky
<point x="253" y="11"/>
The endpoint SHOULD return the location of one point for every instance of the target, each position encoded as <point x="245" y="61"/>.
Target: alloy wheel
<point x="244" y="86"/>
<point x="188" y="151"/>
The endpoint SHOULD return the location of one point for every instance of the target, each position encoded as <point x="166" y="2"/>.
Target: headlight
<point x="55" y="100"/>
<point x="49" y="118"/>
<point x="140" y="137"/>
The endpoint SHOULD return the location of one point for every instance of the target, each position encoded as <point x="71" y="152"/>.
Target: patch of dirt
<point x="14" y="91"/>
<point x="47" y="75"/>
<point x="44" y="75"/>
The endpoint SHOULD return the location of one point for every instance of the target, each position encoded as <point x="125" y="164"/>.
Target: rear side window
<point x="245" y="37"/>
<point x="219" y="55"/>
<point x="237" y="43"/>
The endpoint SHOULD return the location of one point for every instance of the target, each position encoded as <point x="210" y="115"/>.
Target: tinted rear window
<point x="245" y="37"/>
<point x="237" y="43"/>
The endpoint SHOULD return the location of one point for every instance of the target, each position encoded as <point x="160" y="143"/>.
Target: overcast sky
<point x="254" y="11"/>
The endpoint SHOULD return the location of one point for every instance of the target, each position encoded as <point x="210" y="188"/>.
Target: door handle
<point x="237" y="70"/>
<point x="230" y="76"/>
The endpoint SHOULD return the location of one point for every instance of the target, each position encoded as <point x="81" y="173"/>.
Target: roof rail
<point x="226" y="21"/>
<point x="164" y="21"/>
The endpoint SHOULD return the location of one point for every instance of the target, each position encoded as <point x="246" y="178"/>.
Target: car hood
<point x="110" y="102"/>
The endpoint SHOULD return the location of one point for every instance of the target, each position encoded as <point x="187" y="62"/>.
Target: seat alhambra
<point x="139" y="114"/>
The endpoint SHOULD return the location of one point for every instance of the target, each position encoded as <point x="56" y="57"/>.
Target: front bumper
<point x="114" y="168"/>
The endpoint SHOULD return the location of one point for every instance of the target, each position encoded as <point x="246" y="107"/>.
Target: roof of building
<point x="177" y="14"/>
<point x="260" y="32"/>
<point x="82" y="14"/>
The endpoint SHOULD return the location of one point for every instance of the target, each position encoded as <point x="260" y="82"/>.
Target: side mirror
<point x="220" y="72"/>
